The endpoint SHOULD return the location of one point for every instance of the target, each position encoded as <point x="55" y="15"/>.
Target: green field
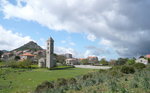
<point x="26" y="80"/>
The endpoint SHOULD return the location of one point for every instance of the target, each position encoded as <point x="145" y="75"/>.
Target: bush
<point x="60" y="82"/>
<point x="127" y="70"/>
<point x="113" y="73"/>
<point x="131" y="61"/>
<point x="139" y="66"/>
<point x="19" y="64"/>
<point x="87" y="76"/>
<point x="72" y="81"/>
<point x="44" y="86"/>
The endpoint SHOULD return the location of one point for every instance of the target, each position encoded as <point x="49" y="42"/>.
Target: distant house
<point x="27" y="56"/>
<point x="147" y="56"/>
<point x="72" y="61"/>
<point x="42" y="62"/>
<point x="92" y="59"/>
<point x="68" y="55"/>
<point x="7" y="56"/>
<point x="142" y="60"/>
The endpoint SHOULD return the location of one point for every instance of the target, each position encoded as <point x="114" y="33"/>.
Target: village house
<point x="72" y="61"/>
<point x="68" y="55"/>
<point x="147" y="56"/>
<point x="27" y="56"/>
<point x="142" y="60"/>
<point x="92" y="59"/>
<point x="7" y="56"/>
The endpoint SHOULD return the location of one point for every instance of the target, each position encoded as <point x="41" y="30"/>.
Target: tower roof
<point x="50" y="39"/>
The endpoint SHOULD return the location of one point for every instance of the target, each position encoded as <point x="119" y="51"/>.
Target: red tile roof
<point x="147" y="56"/>
<point x="27" y="54"/>
<point x="92" y="57"/>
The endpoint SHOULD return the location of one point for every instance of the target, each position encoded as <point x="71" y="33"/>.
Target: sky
<point x="105" y="28"/>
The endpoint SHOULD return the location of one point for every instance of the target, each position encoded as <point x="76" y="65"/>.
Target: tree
<point x="141" y="57"/>
<point x="112" y="62"/>
<point x="103" y="61"/>
<point x="131" y="61"/>
<point x="84" y="61"/>
<point x="121" y="61"/>
<point x="1" y="53"/>
<point x="60" y="58"/>
<point x="17" y="58"/>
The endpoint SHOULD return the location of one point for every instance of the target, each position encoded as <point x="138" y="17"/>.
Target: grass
<point x="2" y="63"/>
<point x="26" y="80"/>
<point x="103" y="81"/>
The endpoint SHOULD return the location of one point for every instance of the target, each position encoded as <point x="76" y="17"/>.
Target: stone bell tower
<point x="50" y="53"/>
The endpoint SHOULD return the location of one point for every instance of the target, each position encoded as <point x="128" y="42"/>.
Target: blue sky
<point x="39" y="33"/>
<point x="83" y="28"/>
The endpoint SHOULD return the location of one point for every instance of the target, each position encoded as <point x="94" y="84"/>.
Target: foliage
<point x="1" y="52"/>
<point x="87" y="76"/>
<point x="17" y="58"/>
<point x="139" y="66"/>
<point x="141" y="57"/>
<point x="44" y="86"/>
<point x="131" y="61"/>
<point x="72" y="81"/>
<point x="19" y="64"/>
<point x="108" y="81"/>
<point x="60" y="82"/>
<point x="103" y="61"/>
<point x="148" y="60"/>
<point x="121" y="61"/>
<point x="127" y="69"/>
<point x="84" y="61"/>
<point x="112" y="62"/>
<point x="23" y="80"/>
<point x="60" y="58"/>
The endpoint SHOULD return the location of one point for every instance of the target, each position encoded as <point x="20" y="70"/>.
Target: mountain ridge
<point x="29" y="46"/>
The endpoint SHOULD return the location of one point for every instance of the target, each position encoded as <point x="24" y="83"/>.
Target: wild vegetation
<point x="25" y="80"/>
<point x="119" y="79"/>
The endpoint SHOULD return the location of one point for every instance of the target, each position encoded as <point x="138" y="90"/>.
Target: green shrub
<point x="113" y="86"/>
<point x="19" y="64"/>
<point x="133" y="84"/>
<point x="113" y="73"/>
<point x="72" y="81"/>
<point x="127" y="69"/>
<point x="44" y="86"/>
<point x="60" y="82"/>
<point x="87" y="76"/>
<point x="139" y="66"/>
<point x="102" y="71"/>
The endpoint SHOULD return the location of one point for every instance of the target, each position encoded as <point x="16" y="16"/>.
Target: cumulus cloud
<point x="96" y="51"/>
<point x="91" y="37"/>
<point x="64" y="50"/>
<point x="10" y="40"/>
<point x="124" y="23"/>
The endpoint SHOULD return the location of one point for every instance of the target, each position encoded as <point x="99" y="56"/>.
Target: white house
<point x="72" y="61"/>
<point x="142" y="60"/>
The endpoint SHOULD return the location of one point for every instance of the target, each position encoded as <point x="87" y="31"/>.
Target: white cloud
<point x="64" y="50"/>
<point x="109" y="19"/>
<point x="91" y="37"/>
<point x="10" y="40"/>
<point x="72" y="43"/>
<point x="105" y="42"/>
<point x="68" y="42"/>
<point x="63" y="41"/>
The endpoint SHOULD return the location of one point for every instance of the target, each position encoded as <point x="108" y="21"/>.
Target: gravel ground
<point x="92" y="67"/>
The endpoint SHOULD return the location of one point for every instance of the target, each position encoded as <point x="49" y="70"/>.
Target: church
<point x="49" y="61"/>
